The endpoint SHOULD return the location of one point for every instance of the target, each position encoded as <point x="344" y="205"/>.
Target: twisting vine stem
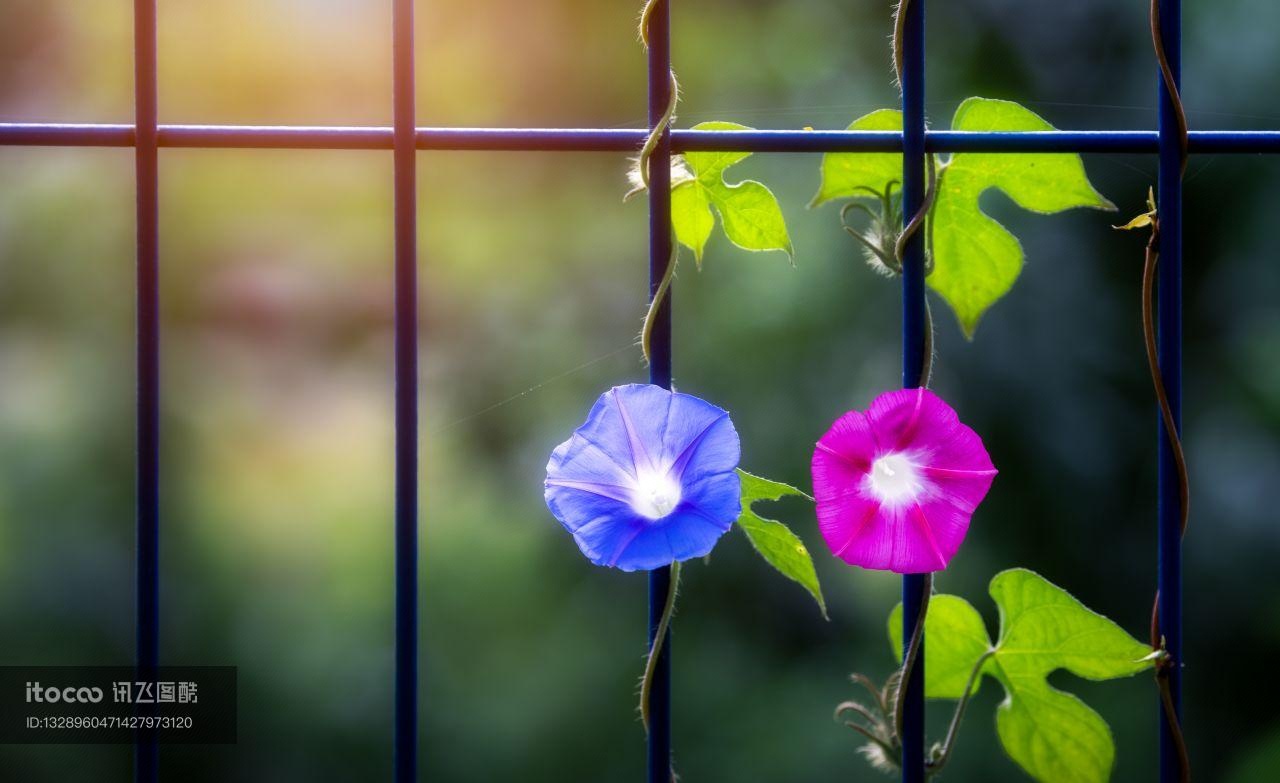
<point x="899" y="28"/>
<point x="651" y="142"/>
<point x="909" y="659"/>
<point x="659" y="636"/>
<point x="1170" y="85"/>
<point x="917" y="221"/>
<point x="939" y="759"/>
<point x="1164" y="662"/>
<point x="1162" y="396"/>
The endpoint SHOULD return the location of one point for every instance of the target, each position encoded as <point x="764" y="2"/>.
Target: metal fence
<point x="404" y="138"/>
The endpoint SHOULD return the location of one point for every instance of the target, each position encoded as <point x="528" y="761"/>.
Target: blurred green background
<point x="277" y="378"/>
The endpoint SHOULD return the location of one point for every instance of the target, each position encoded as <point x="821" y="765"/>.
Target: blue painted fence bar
<point x="914" y="323"/>
<point x="660" y="239"/>
<point x="405" y="742"/>
<point x="626" y="140"/>
<point x="1169" y="503"/>
<point x="147" y="565"/>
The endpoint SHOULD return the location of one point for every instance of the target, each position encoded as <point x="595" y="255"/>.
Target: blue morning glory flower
<point x="649" y="479"/>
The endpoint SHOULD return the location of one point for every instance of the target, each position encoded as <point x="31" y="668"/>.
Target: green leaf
<point x="691" y="216"/>
<point x="1052" y="735"/>
<point x="748" y="210"/>
<point x="751" y="217"/>
<point x="957" y="639"/>
<point x="775" y="542"/>
<point x="976" y="261"/>
<point x="850" y="174"/>
<point x="711" y="165"/>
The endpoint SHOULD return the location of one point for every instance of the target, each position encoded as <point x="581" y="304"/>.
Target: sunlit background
<point x="276" y="291"/>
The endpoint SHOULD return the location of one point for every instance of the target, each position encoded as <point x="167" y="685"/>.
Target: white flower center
<point x="895" y="479"/>
<point x="656" y="494"/>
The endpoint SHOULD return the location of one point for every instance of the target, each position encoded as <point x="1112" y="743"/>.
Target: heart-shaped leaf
<point x="1054" y="736"/>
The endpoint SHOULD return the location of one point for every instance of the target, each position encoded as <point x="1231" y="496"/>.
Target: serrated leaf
<point x="957" y="639"/>
<point x="775" y="542"/>
<point x="749" y="212"/>
<point x="1054" y="736"/>
<point x="976" y="261"/>
<point x="851" y="174"/>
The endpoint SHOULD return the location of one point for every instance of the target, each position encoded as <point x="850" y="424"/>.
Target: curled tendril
<point x="880" y="239"/>
<point x="880" y="720"/>
<point x="885" y="246"/>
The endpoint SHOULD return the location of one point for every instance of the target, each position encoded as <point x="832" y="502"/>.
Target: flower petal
<point x="701" y="441"/>
<point x="632" y="433"/>
<point x="896" y="417"/>
<point x="852" y="438"/>
<point x="627" y="423"/>
<point x="920" y="527"/>
<point x="919" y="421"/>
<point x="963" y="489"/>
<point x="581" y="460"/>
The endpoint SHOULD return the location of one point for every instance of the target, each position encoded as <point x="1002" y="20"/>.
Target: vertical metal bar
<point x="913" y="345"/>
<point x="660" y="238"/>
<point x="406" y="382"/>
<point x="1170" y="351"/>
<point x="146" y="750"/>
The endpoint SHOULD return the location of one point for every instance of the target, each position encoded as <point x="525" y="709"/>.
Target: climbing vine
<point x="652" y="477"/>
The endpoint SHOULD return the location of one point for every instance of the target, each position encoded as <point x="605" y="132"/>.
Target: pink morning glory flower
<point x="649" y="479"/>
<point x="897" y="484"/>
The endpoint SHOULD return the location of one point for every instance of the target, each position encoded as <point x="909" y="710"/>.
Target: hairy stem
<point x="646" y="684"/>
<point x="659" y="296"/>
<point x="926" y="363"/>
<point x="1171" y="715"/>
<point x="899" y="28"/>
<point x="949" y="742"/>
<point x="909" y="660"/>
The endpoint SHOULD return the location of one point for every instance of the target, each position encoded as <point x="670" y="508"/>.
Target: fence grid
<point x="404" y="138"/>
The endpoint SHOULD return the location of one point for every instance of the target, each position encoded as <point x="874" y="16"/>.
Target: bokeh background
<point x="277" y="378"/>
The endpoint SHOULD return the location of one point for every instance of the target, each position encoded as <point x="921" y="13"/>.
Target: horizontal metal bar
<point x="625" y="139"/>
